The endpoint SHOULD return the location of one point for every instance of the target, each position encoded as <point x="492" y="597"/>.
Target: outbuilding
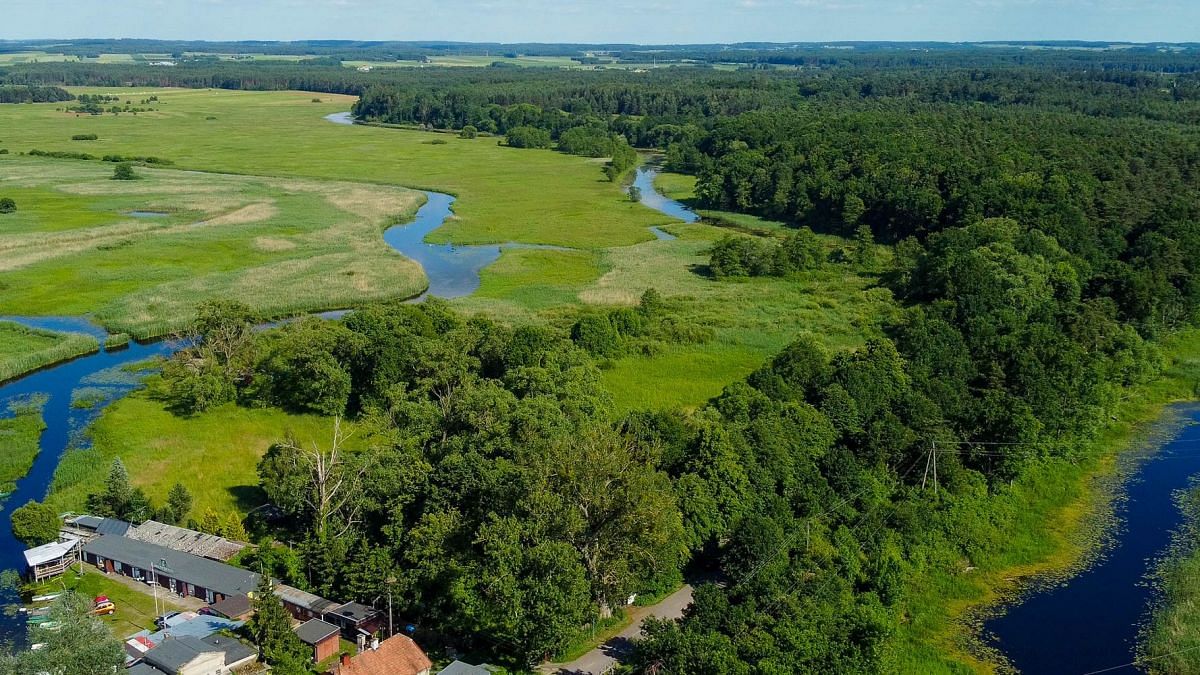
<point x="181" y="573"/>
<point x="50" y="560"/>
<point x="324" y="638"/>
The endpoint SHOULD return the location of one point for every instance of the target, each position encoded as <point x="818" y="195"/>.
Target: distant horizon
<point x="799" y="44"/>
<point x="645" y="22"/>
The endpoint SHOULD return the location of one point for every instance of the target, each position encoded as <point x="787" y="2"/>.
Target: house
<point x="324" y="638"/>
<point x="213" y="655"/>
<point x="181" y="573"/>
<point x="463" y="668"/>
<point x="355" y="620"/>
<point x="188" y="541"/>
<point x="50" y="560"/>
<point x="87" y="528"/>
<point x="303" y="605"/>
<point x="236" y="607"/>
<point x="397" y="655"/>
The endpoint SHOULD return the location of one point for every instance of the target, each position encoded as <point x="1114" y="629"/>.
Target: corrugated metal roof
<point x="183" y="539"/>
<point x="210" y="574"/>
<point x="304" y="599"/>
<point x="49" y="552"/>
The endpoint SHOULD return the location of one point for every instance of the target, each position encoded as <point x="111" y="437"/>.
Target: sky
<point x="594" y="21"/>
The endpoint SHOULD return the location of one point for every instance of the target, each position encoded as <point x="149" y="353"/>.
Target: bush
<point x="596" y="334"/>
<point x="7" y="205"/>
<point x="468" y="131"/>
<point x="528" y="137"/>
<point x="35" y="524"/>
<point x="124" y="171"/>
<point x="436" y="141"/>
<point x="85" y="137"/>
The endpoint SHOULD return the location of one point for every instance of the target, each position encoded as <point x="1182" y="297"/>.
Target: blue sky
<point x="645" y="21"/>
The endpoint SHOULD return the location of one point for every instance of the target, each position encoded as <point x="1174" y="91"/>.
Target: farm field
<point x="139" y="255"/>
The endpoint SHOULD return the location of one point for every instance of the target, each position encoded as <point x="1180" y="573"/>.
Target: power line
<point x="1142" y="661"/>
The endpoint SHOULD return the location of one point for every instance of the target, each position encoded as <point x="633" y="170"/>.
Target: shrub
<point x="85" y="137"/>
<point x="3" y="151"/>
<point x="468" y="131"/>
<point x="124" y="171"/>
<point x="35" y="524"/>
<point x="436" y="141"/>
<point x="7" y="205"/>
<point x="528" y="137"/>
<point x="596" y="334"/>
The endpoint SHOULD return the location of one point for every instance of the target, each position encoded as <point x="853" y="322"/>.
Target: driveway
<point x="606" y="656"/>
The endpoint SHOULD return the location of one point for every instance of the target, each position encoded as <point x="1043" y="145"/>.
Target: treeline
<point x="1120" y="196"/>
<point x="806" y="487"/>
<point x="33" y="94"/>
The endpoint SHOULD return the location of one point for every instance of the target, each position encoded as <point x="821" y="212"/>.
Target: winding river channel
<point x="453" y="271"/>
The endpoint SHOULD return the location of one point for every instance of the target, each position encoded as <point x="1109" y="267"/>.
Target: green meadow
<point x="76" y="245"/>
<point x="215" y="454"/>
<point x="504" y="194"/>
<point x="24" y="349"/>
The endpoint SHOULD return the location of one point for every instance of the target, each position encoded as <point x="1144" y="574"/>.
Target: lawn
<point x="280" y="245"/>
<point x="214" y="454"/>
<point x="23" y="349"/>
<point x="21" y="427"/>
<point x="135" y="609"/>
<point x="504" y="194"/>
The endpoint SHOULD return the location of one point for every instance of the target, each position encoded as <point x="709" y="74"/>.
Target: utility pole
<point x="389" y="581"/>
<point x="931" y="461"/>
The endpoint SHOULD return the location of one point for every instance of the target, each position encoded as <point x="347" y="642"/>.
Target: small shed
<point x="50" y="560"/>
<point x="322" y="637"/>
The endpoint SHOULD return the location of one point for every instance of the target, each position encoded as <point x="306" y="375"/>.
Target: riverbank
<point x="24" y="350"/>
<point x="1170" y="642"/>
<point x="1057" y="520"/>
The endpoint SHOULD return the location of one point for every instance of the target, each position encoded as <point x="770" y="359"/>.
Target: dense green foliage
<point x="7" y="205"/>
<point x="33" y="94"/>
<point x="35" y="524"/>
<point x="80" y="645"/>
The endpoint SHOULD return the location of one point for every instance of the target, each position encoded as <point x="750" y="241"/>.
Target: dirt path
<point x="606" y="656"/>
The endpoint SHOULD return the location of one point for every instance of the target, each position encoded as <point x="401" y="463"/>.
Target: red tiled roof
<point x="397" y="655"/>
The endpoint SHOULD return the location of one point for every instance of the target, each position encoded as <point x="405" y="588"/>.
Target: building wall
<point x="326" y="648"/>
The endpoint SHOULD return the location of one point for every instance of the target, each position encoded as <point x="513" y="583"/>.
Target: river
<point x="453" y="271"/>
<point x="1090" y="621"/>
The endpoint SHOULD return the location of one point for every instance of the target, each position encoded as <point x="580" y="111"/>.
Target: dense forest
<point x="33" y="94"/>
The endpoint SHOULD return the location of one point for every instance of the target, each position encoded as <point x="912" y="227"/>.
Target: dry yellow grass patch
<point x="251" y="213"/>
<point x="272" y="244"/>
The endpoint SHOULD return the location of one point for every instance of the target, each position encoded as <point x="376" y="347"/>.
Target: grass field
<point x="215" y="454"/>
<point x="280" y="245"/>
<point x="23" y="349"/>
<point x="135" y="609"/>
<point x="504" y="194"/>
<point x="21" y="427"/>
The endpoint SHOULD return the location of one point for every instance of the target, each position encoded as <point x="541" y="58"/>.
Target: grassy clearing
<point x="135" y="609"/>
<point x="23" y="349"/>
<point x="1053" y="516"/>
<point x="21" y="428"/>
<point x="215" y="455"/>
<point x="281" y="246"/>
<point x="752" y="318"/>
<point x="504" y="194"/>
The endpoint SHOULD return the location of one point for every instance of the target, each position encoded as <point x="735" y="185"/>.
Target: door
<point x="108" y="566"/>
